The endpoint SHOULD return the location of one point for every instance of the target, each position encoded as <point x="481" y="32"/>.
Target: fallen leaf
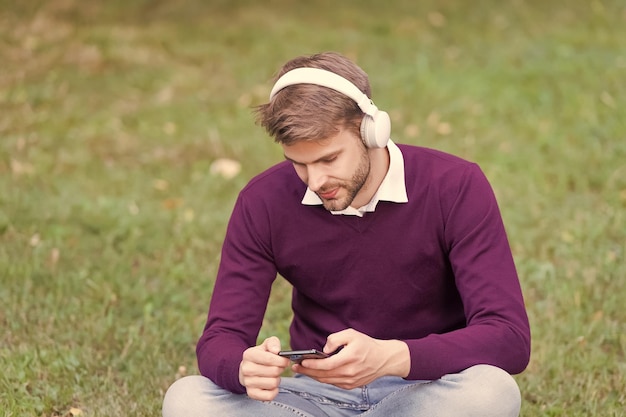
<point x="444" y="128"/>
<point x="34" y="240"/>
<point x="598" y="315"/>
<point x="160" y="184"/>
<point x="433" y="119"/>
<point x="133" y="208"/>
<point x="412" y="131"/>
<point x="227" y="168"/>
<point x="436" y="19"/>
<point x="169" y="128"/>
<point x="607" y="99"/>
<point x="189" y="215"/>
<point x="245" y="100"/>
<point x="55" y="253"/>
<point x="172" y="203"/>
<point x="21" y="168"/>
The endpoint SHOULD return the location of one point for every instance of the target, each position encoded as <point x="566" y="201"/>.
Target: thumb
<point x="272" y="344"/>
<point x="337" y="341"/>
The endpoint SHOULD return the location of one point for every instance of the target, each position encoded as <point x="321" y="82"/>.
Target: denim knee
<point x="197" y="396"/>
<point x="490" y="391"/>
<point x="181" y="398"/>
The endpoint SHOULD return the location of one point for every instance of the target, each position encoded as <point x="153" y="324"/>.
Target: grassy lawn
<point x="114" y="113"/>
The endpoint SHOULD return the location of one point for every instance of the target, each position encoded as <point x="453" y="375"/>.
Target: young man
<point x="399" y="262"/>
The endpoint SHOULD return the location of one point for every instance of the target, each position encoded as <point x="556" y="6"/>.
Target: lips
<point x="327" y="195"/>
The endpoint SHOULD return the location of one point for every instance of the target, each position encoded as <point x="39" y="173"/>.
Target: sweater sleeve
<point x="239" y="298"/>
<point x="497" y="330"/>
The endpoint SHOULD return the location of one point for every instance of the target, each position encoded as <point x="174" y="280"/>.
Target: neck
<point x="379" y="165"/>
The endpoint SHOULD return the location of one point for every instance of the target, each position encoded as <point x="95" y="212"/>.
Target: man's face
<point x="335" y="168"/>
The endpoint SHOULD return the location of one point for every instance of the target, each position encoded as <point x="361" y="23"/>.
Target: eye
<point x="329" y="160"/>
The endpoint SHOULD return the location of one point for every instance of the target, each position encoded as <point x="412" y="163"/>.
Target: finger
<point x="262" y="394"/>
<point x="266" y="354"/>
<point x="262" y="388"/>
<point x="312" y="372"/>
<point x="272" y="344"/>
<point x="251" y="370"/>
<point x="335" y="341"/>
<point x="317" y="368"/>
<point x="263" y="383"/>
<point x="315" y="364"/>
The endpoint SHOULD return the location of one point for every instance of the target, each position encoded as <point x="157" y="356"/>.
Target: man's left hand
<point x="361" y="360"/>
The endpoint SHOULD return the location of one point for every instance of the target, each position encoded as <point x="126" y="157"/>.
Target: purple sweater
<point x="436" y="272"/>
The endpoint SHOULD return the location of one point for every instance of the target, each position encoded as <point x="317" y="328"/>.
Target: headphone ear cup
<point x="376" y="129"/>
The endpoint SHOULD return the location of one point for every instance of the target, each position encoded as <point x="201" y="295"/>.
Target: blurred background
<point x="126" y="132"/>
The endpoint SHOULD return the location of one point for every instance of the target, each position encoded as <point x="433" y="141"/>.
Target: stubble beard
<point x="352" y="187"/>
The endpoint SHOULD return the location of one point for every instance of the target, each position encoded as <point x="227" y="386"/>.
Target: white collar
<point x="391" y="189"/>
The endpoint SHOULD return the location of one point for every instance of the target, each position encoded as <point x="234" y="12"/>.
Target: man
<point x="399" y="262"/>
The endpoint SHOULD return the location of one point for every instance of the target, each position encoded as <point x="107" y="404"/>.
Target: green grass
<point x="111" y="114"/>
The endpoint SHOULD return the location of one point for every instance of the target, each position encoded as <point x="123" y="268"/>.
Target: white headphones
<point x="376" y="124"/>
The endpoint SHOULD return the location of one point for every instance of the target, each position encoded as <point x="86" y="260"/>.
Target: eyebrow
<point x="320" y="159"/>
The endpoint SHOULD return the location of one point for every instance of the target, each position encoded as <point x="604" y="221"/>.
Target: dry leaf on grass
<point x="227" y="168"/>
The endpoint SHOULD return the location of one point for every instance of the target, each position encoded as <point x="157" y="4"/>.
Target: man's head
<point x="321" y="114"/>
<point x="312" y="112"/>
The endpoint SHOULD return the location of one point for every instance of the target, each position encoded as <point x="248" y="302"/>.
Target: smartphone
<point x="299" y="355"/>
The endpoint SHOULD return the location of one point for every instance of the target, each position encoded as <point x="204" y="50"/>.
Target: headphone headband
<point x="326" y="79"/>
<point x="375" y="126"/>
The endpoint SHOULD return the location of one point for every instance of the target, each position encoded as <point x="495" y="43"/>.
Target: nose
<point x="315" y="178"/>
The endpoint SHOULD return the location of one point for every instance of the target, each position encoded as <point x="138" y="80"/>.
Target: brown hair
<point x="311" y="112"/>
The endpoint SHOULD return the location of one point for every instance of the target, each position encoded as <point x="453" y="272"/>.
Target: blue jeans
<point x="481" y="391"/>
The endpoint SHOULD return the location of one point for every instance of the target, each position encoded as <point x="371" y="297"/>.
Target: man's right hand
<point x="260" y="369"/>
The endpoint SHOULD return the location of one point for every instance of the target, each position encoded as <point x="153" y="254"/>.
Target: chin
<point x="335" y="205"/>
